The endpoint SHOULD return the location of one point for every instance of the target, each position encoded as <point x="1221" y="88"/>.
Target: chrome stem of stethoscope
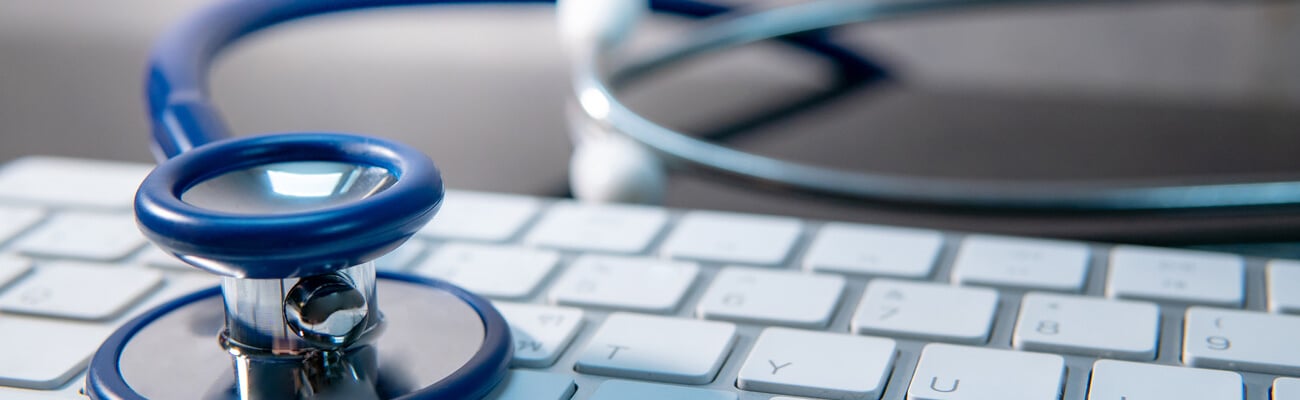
<point x="310" y="343"/>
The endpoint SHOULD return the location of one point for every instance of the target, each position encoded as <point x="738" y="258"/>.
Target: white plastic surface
<point x="874" y="250"/>
<point x="505" y="272"/>
<point x="540" y="333"/>
<point x="1021" y="263"/>
<point x="42" y="353"/>
<point x="818" y="364"/>
<point x="533" y="385"/>
<point x="1184" y="276"/>
<point x="654" y="348"/>
<point x="734" y="238"/>
<point x="79" y="291"/>
<point x="765" y="296"/>
<point x="17" y="219"/>
<point x="12" y="267"/>
<point x="1284" y="286"/>
<point x="1088" y="326"/>
<point x="55" y="181"/>
<point x="629" y="390"/>
<point x="476" y="216"/>
<point x="926" y="311"/>
<point x="1129" y="380"/>
<point x="625" y="283"/>
<point x="598" y="227"/>
<point x="1241" y="340"/>
<point x="947" y="372"/>
<point x="90" y="236"/>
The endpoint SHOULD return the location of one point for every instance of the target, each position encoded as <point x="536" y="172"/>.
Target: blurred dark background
<point x="1196" y="90"/>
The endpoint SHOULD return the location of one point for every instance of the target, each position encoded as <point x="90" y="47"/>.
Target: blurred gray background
<point x="1198" y="90"/>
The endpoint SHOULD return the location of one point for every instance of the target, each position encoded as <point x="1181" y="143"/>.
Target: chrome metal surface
<point x="255" y="309"/>
<point x="289" y="187"/>
<point x="328" y="310"/>
<point x="429" y="334"/>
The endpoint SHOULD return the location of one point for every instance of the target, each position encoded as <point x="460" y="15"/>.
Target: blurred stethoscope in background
<point x="292" y="222"/>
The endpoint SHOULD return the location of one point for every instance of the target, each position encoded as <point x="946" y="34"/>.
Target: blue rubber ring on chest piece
<point x="481" y="374"/>
<point x="276" y="246"/>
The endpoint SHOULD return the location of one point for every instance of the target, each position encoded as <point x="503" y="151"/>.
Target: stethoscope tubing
<point x="595" y="99"/>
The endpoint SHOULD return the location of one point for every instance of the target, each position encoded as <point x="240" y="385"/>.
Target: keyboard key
<point x="1241" y="340"/>
<point x="727" y="237"/>
<point x="657" y="348"/>
<point x="79" y="291"/>
<point x="174" y="286"/>
<point x="598" y="227"/>
<point x="486" y="217"/>
<point x="491" y="270"/>
<point x="1088" y="326"/>
<point x="540" y="332"/>
<point x="1284" y="286"/>
<point x="1114" y="380"/>
<point x="400" y="260"/>
<point x="17" y="219"/>
<point x="772" y="297"/>
<point x="874" y="250"/>
<point x="625" y="283"/>
<point x="42" y="353"/>
<point x="818" y="364"/>
<point x="1184" y="276"/>
<point x="12" y="267"/>
<point x="627" y="390"/>
<point x="973" y="373"/>
<point x="84" y="235"/>
<point x="1286" y="389"/>
<point x="71" y="182"/>
<point x="1021" y="263"/>
<point x="926" y="311"/>
<point x="533" y="385"/>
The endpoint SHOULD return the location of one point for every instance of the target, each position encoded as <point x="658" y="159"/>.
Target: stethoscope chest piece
<point x="292" y="224"/>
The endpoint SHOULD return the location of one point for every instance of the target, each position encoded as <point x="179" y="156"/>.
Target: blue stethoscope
<point x="292" y="223"/>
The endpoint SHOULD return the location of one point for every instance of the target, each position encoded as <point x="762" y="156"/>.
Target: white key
<point x="175" y="286"/>
<point x="156" y="257"/>
<point x="1184" y="276"/>
<point x="1117" y="380"/>
<point x="68" y="344"/>
<point x="83" y="235"/>
<point x="72" y="182"/>
<point x="817" y="364"/>
<point x="772" y="297"/>
<point x="663" y="349"/>
<point x="874" y="250"/>
<point x="598" y="227"/>
<point x="727" y="237"/>
<point x="495" y="271"/>
<point x="1284" y="286"/>
<point x="12" y="267"/>
<point x="540" y="333"/>
<point x="533" y="385"/>
<point x="627" y="390"/>
<point x="1021" y="263"/>
<point x="638" y="284"/>
<point x="1241" y="341"/>
<point x="79" y="291"/>
<point x="974" y="373"/>
<point x="1088" y="326"/>
<point x="17" y="219"/>
<point x="926" y="311"/>
<point x="400" y="259"/>
<point x="1286" y="389"/>
<point x="487" y="217"/>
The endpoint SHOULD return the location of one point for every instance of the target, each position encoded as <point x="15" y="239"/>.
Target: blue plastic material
<point x="489" y="365"/>
<point x="288" y="245"/>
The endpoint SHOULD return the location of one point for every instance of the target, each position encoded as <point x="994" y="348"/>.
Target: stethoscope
<point x="292" y="223"/>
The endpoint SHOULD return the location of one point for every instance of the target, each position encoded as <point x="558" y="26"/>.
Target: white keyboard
<point x="629" y="302"/>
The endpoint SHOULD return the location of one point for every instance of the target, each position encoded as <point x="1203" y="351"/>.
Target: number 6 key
<point x="1241" y="340"/>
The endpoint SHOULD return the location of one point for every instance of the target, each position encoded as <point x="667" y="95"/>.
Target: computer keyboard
<point x="631" y="302"/>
